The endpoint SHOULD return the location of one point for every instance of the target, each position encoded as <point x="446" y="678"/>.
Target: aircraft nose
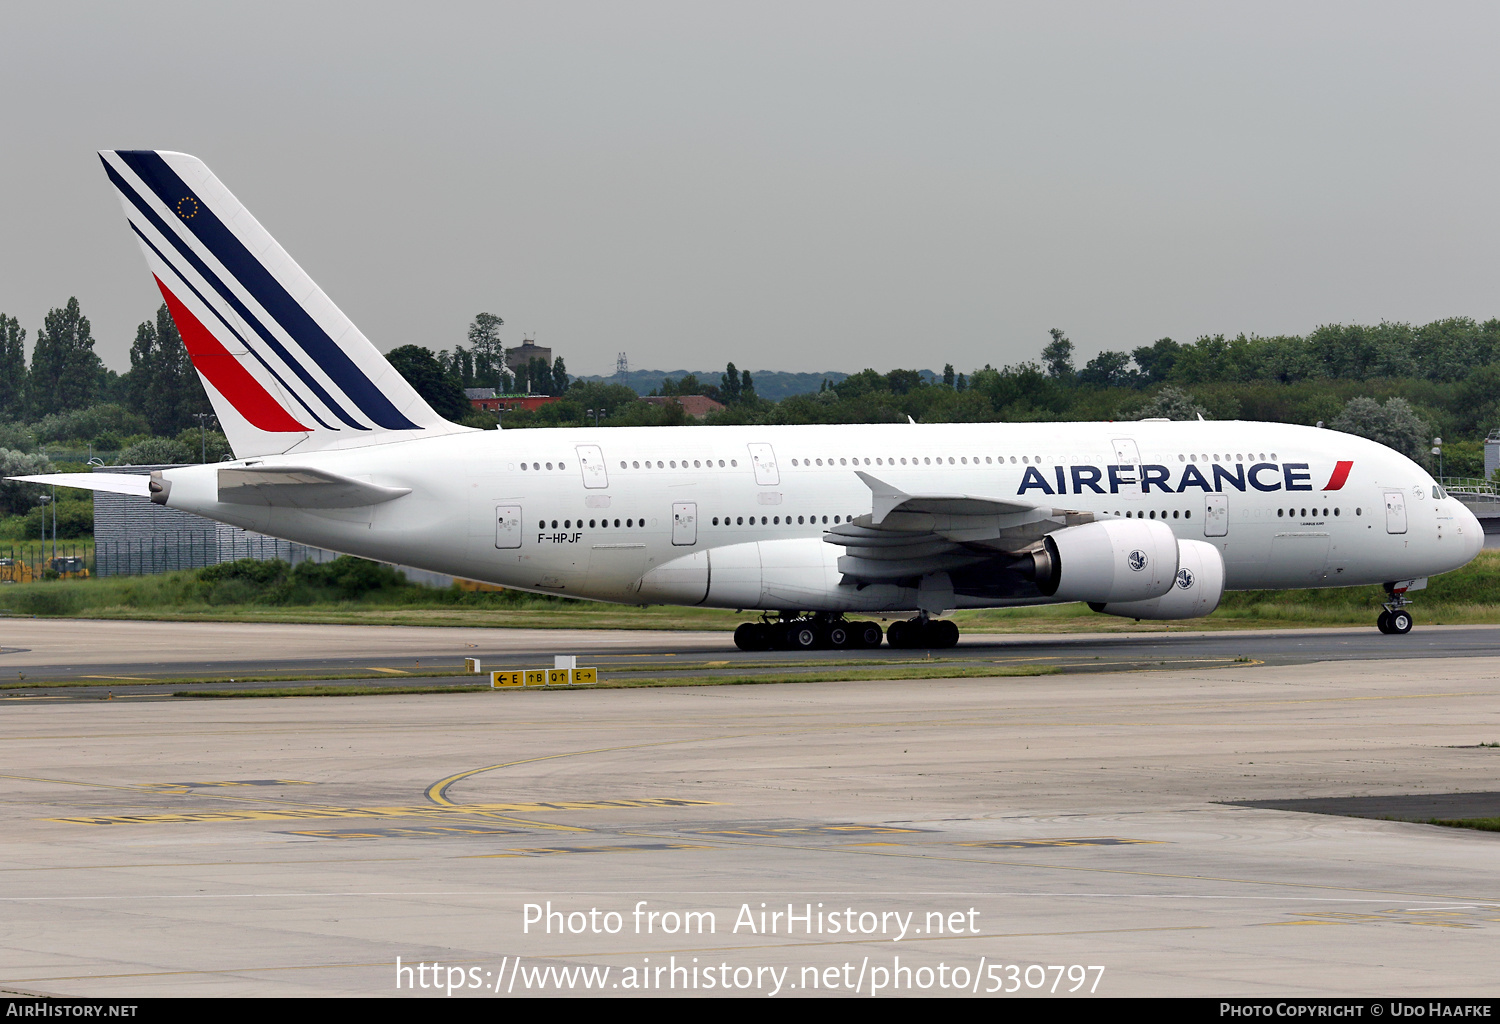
<point x="1473" y="533"/>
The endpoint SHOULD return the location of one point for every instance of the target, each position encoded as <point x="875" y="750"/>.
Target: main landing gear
<point x="1395" y="619"/>
<point x="795" y="631"/>
<point x="922" y="632"/>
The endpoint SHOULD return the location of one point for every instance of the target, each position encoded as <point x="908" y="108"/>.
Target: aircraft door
<point x="1216" y="516"/>
<point x="1127" y="454"/>
<point x="591" y="463"/>
<point x="684" y="523"/>
<point x="507" y="526"/>
<point x="763" y="457"/>
<point x="1395" y="512"/>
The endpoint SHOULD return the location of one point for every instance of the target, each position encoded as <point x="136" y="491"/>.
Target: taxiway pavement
<point x="300" y="846"/>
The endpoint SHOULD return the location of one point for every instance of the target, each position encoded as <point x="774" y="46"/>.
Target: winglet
<point x="885" y="499"/>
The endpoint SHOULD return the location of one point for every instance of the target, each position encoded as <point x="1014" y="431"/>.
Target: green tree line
<point x="1398" y="383"/>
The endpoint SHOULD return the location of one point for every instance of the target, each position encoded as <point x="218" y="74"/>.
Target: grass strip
<point x="189" y="680"/>
<point x="924" y="672"/>
<point x="330" y="691"/>
<point x="419" y="674"/>
<point x="1483" y="824"/>
<point x="1465" y="596"/>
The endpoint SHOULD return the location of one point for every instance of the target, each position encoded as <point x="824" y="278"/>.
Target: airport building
<point x="492" y="400"/>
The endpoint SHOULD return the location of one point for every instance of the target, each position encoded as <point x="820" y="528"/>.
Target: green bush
<point x="254" y="570"/>
<point x="156" y="451"/>
<point x="350" y="577"/>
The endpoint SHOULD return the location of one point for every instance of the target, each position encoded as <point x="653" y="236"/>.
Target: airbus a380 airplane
<point x="1148" y="519"/>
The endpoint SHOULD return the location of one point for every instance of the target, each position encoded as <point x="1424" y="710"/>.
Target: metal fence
<point x="234" y="544"/>
<point x="1479" y="495"/>
<point x="38" y="555"/>
<point x="170" y="550"/>
<point x="138" y="556"/>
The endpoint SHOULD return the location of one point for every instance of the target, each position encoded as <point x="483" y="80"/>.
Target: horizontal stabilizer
<point x="115" y="483"/>
<point x="299" y="487"/>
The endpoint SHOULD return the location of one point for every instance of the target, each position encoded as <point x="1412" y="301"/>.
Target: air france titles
<point x="1260" y="476"/>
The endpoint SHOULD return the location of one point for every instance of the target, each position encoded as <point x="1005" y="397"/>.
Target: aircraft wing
<point x="888" y="499"/>
<point x="910" y="535"/>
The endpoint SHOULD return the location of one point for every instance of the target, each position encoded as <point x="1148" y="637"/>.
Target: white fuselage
<point x="588" y="512"/>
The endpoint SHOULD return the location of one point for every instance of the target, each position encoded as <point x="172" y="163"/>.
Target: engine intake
<point x="1195" y="592"/>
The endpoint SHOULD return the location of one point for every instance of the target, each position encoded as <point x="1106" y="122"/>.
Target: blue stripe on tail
<point x="267" y="291"/>
<point x="129" y="192"/>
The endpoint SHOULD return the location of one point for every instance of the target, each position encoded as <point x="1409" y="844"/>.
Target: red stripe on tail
<point x="226" y="374"/>
<point x="1340" y="474"/>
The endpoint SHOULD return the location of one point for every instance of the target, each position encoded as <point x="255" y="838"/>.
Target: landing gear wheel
<point x="1400" y="621"/>
<point x="868" y="635"/>
<point x="896" y="634"/>
<point x="1383" y="623"/>
<point x="839" y="635"/>
<point x="942" y="633"/>
<point x="751" y="636"/>
<point x="801" y="637"/>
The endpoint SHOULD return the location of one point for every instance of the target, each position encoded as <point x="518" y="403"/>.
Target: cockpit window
<point x="1438" y="492"/>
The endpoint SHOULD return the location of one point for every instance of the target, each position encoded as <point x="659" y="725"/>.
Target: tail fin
<point x="285" y="369"/>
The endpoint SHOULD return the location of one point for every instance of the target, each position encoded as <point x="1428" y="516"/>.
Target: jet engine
<point x="1106" y="562"/>
<point x="800" y="573"/>
<point x="1195" y="592"/>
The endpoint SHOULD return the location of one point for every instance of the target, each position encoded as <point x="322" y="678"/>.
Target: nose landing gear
<point x="1395" y="619"/>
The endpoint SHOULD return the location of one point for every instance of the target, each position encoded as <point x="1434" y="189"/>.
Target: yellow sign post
<point x="544" y="677"/>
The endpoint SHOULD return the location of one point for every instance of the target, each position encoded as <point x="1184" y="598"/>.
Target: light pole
<point x="1437" y="449"/>
<point x="45" y="500"/>
<point x="203" y="418"/>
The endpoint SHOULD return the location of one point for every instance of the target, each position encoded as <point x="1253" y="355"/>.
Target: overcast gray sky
<point x="799" y="186"/>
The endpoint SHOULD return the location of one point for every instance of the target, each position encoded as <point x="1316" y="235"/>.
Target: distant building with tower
<point x="520" y="357"/>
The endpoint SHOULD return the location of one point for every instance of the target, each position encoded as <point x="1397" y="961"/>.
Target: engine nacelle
<point x="1107" y="562"/>
<point x="1196" y="592"/>
<point x="800" y="573"/>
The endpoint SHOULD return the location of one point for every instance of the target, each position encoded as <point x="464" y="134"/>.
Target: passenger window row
<point x="1281" y="513"/>
<point x="1227" y="458"/>
<point x="570" y="524"/>
<point x="777" y="520"/>
<point x="1188" y="514"/>
<point x="962" y="460"/>
<point x="677" y="464"/>
<point x="926" y="460"/>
